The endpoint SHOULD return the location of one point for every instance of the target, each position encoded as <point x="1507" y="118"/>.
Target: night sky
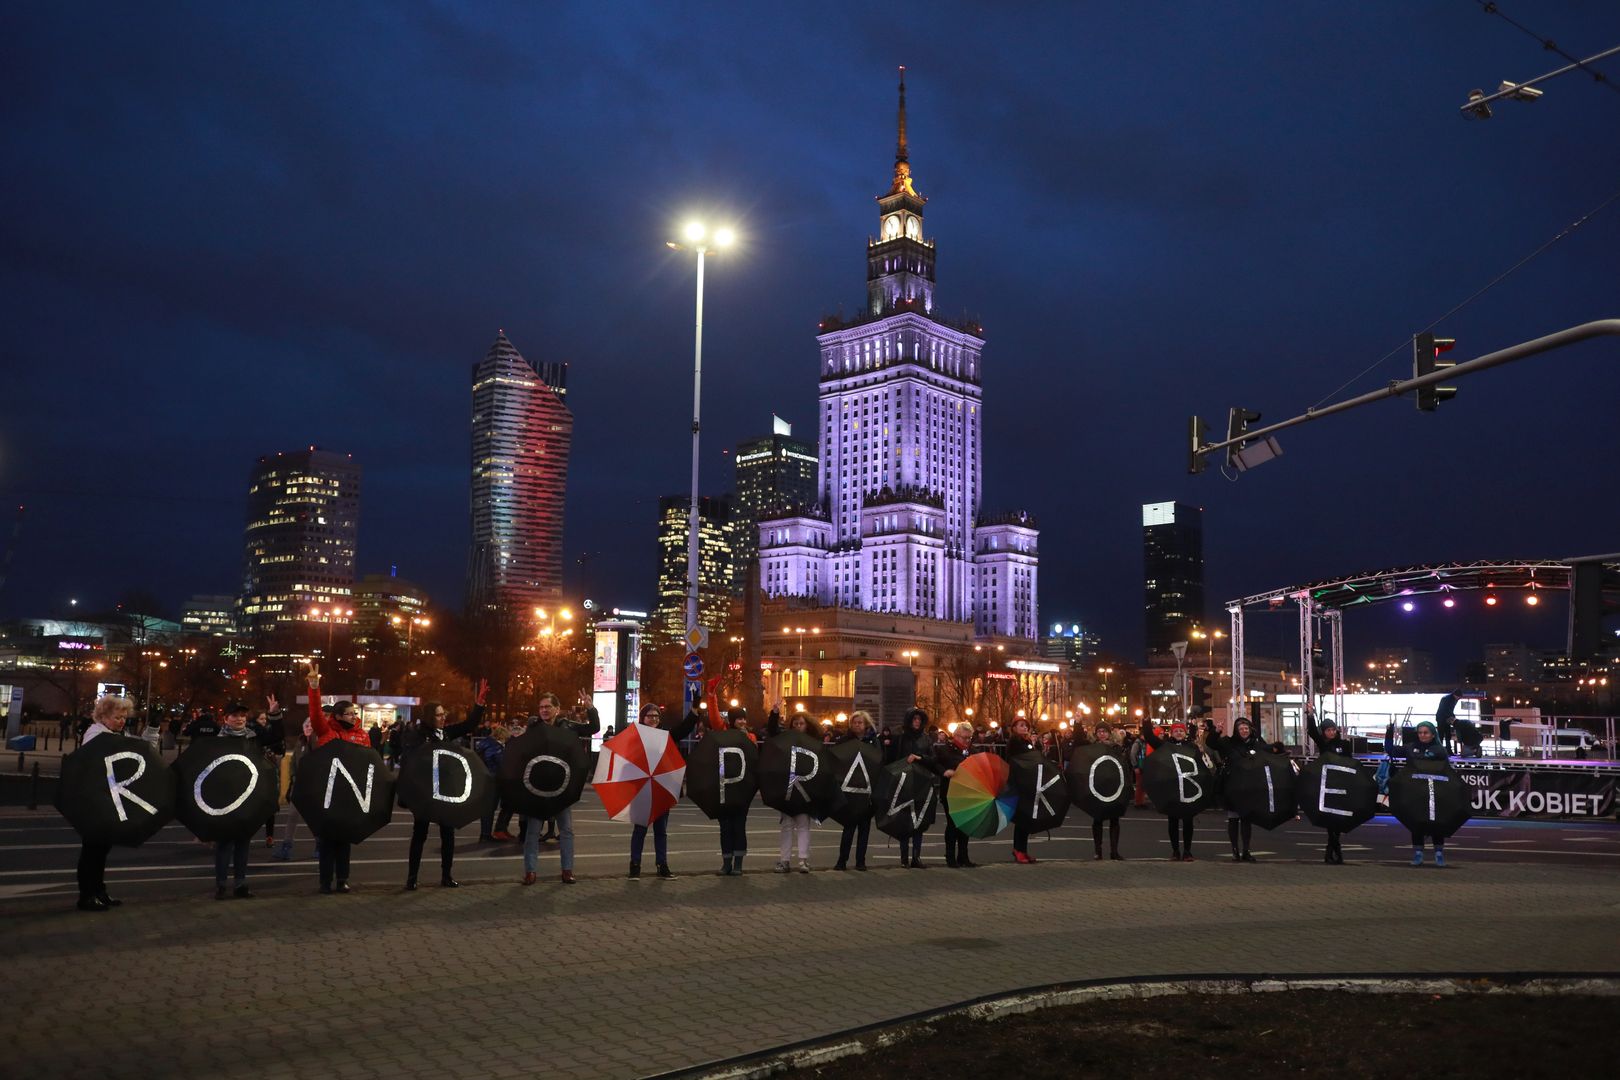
<point x="232" y="229"/>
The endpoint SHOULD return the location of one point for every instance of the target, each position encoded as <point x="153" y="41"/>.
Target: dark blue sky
<point x="232" y="229"/>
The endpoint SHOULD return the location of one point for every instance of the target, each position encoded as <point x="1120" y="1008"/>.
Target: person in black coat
<point x="915" y="744"/>
<point x="1244" y="742"/>
<point x="1103" y="734"/>
<point x="206" y="726"/>
<point x="1425" y="746"/>
<point x="1181" y="829"/>
<point x="1019" y="742"/>
<point x="424" y="732"/>
<point x="948" y="757"/>
<point x="860" y="730"/>
<point x="1328" y="741"/>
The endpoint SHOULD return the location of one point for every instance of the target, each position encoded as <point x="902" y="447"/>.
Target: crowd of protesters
<point x="939" y="749"/>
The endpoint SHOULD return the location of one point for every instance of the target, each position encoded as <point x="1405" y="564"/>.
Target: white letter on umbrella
<point x="196" y="789"/>
<point x="339" y="767"/>
<point x="440" y="753"/>
<point x="120" y="788"/>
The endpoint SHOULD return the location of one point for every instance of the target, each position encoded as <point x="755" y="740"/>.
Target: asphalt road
<point x="38" y="850"/>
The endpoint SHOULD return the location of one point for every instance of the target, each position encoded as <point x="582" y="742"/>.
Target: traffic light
<point x="1198" y="697"/>
<point x="1426" y="350"/>
<point x="1197" y="430"/>
<point x="1238" y="421"/>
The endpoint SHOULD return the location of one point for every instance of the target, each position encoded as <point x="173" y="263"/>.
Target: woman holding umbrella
<point x="1328" y="741"/>
<point x="1019" y="742"/>
<point x="794" y="826"/>
<point x="424" y="731"/>
<point x="733" y="823"/>
<point x="652" y="716"/>
<point x="344" y="723"/>
<point x="1180" y="838"/>
<point x="1427" y="747"/>
<point x="860" y="730"/>
<point x="915" y="744"/>
<point x="108" y="716"/>
<point x="1245" y="741"/>
<point x="1103" y="735"/>
<point x="947" y="759"/>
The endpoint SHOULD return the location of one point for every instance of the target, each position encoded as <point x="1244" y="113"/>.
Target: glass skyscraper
<point x="1173" y="572"/>
<point x="302" y="525"/>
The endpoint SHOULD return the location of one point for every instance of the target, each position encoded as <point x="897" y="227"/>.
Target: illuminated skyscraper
<point x="898" y="527"/>
<point x="717" y="566"/>
<point x="302" y="523"/>
<point x="776" y="475"/>
<point x="1173" y="572"/>
<point x="521" y="433"/>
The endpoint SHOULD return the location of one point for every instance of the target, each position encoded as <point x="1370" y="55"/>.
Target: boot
<point x="1098" y="856"/>
<point x="736" y="866"/>
<point x="905" y="858"/>
<point x="1116" y="856"/>
<point x="220" y="891"/>
<point x="410" y="883"/>
<point x="91" y="903"/>
<point x="635" y="871"/>
<point x="567" y="877"/>
<point x="840" y="865"/>
<point x="448" y="882"/>
<point x="725" y="866"/>
<point x="109" y="901"/>
<point x="664" y="871"/>
<point x="1175" y="853"/>
<point x="242" y="892"/>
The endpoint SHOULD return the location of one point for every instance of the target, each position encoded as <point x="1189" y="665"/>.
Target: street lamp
<point x="697" y="239"/>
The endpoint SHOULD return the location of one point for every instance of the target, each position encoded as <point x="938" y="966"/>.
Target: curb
<point x="858" y="1040"/>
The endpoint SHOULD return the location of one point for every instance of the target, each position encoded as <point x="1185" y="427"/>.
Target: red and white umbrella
<point x="638" y="774"/>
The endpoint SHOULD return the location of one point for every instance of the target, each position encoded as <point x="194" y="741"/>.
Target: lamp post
<point x="332" y="615"/>
<point x="410" y="634"/>
<point x="699" y="240"/>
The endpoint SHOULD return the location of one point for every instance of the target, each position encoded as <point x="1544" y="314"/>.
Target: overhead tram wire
<point x="1490" y="8"/>
<point x="1406" y="342"/>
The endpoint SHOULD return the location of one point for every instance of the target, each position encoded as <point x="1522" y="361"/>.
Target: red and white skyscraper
<point x="521" y="433"/>
<point x="899" y="527"/>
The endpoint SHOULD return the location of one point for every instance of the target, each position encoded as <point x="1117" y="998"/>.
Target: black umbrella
<point x="906" y="797"/>
<point x="445" y="784"/>
<point x="1337" y="793"/>
<point x="225" y="788"/>
<point x="1043" y="797"/>
<point x="116" y="790"/>
<point x="1428" y="797"/>
<point x="1101" y="781"/>
<point x="1178" y="782"/>
<point x="855" y="765"/>
<point x="544" y="771"/>
<point x="795" y="775"/>
<point x="1261" y="787"/>
<point x="344" y="791"/>
<point x="722" y="772"/>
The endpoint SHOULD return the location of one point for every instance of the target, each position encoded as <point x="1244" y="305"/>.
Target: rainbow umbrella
<point x="638" y="774"/>
<point x="980" y="799"/>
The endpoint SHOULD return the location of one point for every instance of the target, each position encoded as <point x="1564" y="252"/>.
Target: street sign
<point x="693" y="666"/>
<point x="694" y="690"/>
<point x="697" y="638"/>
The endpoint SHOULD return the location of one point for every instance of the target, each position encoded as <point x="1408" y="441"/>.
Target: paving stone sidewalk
<point x="613" y="978"/>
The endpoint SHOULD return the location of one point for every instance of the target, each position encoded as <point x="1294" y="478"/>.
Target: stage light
<point x="1449" y="602"/>
<point x="1490" y="601"/>
<point x="1407" y="605"/>
<point x="1532" y="599"/>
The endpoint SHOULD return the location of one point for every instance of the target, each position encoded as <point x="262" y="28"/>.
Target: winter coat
<point x="326" y="728"/>
<point x="491" y="750"/>
<point x="1156" y="741"/>
<point x="919" y="743"/>
<point x="204" y="727"/>
<point x="1415" y="751"/>
<point x="870" y="738"/>
<point x="1336" y="745"/>
<point x="1015" y="745"/>
<point x="949" y="755"/>
<point x="423" y="731"/>
<point x="1231" y="747"/>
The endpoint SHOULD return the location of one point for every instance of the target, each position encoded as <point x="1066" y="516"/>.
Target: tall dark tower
<point x="900" y="263"/>
<point x="1173" y="572"/>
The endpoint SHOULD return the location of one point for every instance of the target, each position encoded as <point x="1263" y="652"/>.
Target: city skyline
<point x="1200" y="266"/>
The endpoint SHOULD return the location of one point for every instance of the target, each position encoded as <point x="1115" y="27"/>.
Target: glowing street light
<point x="696" y="234"/>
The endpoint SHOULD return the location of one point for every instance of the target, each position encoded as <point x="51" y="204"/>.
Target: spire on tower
<point x="902" y="163"/>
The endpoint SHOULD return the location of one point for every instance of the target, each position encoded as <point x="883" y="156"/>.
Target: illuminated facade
<point x="776" y="474"/>
<point x="303" y="522"/>
<point x="211" y="615"/>
<point x="1173" y="572"/>
<point x="521" y="435"/>
<point x="381" y="598"/>
<point x="897" y="526"/>
<point x="717" y="568"/>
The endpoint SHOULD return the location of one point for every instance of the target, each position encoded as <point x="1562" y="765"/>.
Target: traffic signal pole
<point x="1396" y="388"/>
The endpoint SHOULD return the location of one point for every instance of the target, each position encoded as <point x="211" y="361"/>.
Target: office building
<point x="775" y="475"/>
<point x="303" y="523"/>
<point x="1173" y="572"/>
<point x="716" y="564"/>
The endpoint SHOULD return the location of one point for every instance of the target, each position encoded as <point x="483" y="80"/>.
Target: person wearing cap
<point x="1426" y="746"/>
<point x="948" y="757"/>
<point x="234" y="853"/>
<point x="1103" y="735"/>
<point x="1181" y="829"/>
<point x="1244" y="742"/>
<point x="1019" y="742"/>
<point x="432" y="728"/>
<point x="734" y="822"/>
<point x="343" y="723"/>
<point x="1328" y="741"/>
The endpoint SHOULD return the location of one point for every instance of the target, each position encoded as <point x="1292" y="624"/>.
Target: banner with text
<point x="1527" y="793"/>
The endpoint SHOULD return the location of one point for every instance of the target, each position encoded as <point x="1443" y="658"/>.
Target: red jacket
<point x="326" y="729"/>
